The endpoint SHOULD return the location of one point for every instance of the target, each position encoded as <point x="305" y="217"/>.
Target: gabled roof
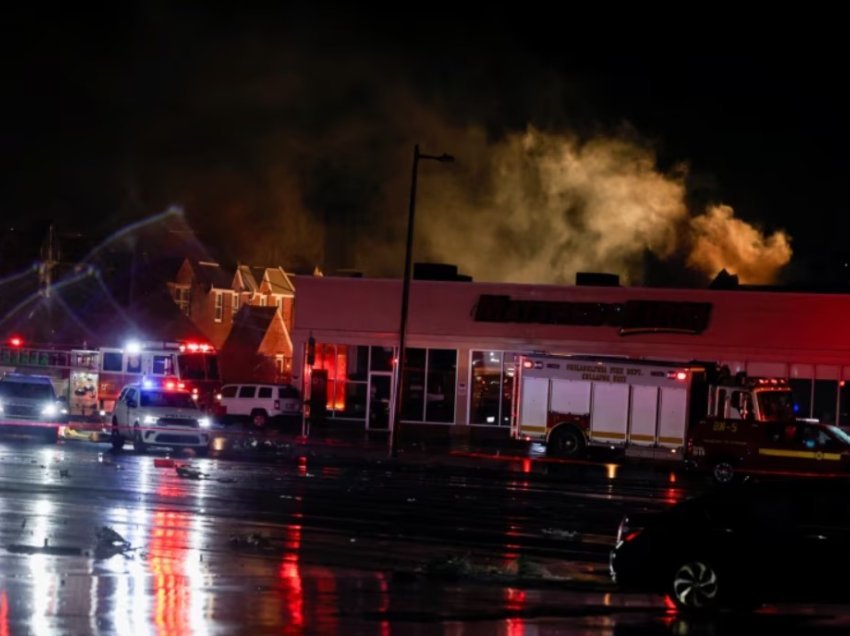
<point x="245" y="279"/>
<point x="250" y="325"/>
<point x="278" y="281"/>
<point x="211" y="275"/>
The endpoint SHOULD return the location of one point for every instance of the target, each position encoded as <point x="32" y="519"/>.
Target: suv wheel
<point x="138" y="444"/>
<point x="116" y="439"/>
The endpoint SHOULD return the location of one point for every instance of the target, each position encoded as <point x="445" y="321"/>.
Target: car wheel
<point x="138" y="444"/>
<point x="116" y="439"/>
<point x="696" y="586"/>
<point x="723" y="472"/>
<point x="259" y="419"/>
<point x="566" y="441"/>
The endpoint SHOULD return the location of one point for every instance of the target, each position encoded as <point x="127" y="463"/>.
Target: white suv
<point x="159" y="415"/>
<point x="259" y="403"/>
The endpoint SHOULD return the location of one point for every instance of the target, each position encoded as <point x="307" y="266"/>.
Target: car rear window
<point x="228" y="391"/>
<point x="287" y="392"/>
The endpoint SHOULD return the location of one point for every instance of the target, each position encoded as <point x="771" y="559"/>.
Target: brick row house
<point x="246" y="313"/>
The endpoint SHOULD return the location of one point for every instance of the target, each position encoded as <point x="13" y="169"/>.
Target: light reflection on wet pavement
<point x="96" y="542"/>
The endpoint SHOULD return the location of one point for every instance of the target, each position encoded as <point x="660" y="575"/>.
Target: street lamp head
<point x="443" y="158"/>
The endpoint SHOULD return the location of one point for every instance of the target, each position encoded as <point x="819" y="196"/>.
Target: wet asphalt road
<point x="304" y="541"/>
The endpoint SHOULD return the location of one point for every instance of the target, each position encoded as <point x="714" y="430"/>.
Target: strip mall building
<point x="463" y="338"/>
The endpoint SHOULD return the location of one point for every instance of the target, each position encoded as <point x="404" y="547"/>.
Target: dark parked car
<point x="742" y="545"/>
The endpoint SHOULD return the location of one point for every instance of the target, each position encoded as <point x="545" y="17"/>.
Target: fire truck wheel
<point x="138" y="445"/>
<point x="566" y="441"/>
<point x="723" y="472"/>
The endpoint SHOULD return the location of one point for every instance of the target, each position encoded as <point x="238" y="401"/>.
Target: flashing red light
<point x="196" y="347"/>
<point x="169" y="386"/>
<point x="16" y="341"/>
<point x="681" y="375"/>
<point x="527" y="364"/>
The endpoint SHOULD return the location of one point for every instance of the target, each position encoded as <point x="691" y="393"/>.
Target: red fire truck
<point x="92" y="378"/>
<point x="647" y="408"/>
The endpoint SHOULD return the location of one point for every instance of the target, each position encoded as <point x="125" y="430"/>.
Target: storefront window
<point x="485" y="394"/>
<point x="826" y="395"/>
<point x="492" y="383"/>
<point x="354" y="401"/>
<point x="428" y="386"/>
<point x="440" y="393"/>
<point x="844" y="404"/>
<point x="358" y="363"/>
<point x="508" y="375"/>
<point x="347" y="368"/>
<point x="382" y="358"/>
<point x="413" y="385"/>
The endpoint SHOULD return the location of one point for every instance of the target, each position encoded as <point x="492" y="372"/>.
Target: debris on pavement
<point x="254" y="541"/>
<point x="109" y="543"/>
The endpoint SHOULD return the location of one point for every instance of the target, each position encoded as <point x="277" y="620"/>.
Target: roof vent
<point x="597" y="279"/>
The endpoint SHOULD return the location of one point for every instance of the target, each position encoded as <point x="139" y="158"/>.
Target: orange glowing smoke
<point x="721" y="241"/>
<point x="537" y="207"/>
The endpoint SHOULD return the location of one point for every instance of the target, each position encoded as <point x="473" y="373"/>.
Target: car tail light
<point x="626" y="532"/>
<point x="277" y="405"/>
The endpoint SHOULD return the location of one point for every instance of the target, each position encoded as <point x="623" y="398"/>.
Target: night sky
<point x="658" y="147"/>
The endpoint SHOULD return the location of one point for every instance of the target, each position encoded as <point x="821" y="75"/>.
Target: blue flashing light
<point x="148" y="384"/>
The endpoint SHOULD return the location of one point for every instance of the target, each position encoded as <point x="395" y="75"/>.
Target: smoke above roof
<point x="293" y="146"/>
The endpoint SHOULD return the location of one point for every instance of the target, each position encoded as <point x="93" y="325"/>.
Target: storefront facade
<point x="463" y="338"/>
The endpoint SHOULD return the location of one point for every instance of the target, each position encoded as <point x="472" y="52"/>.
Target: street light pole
<point x="405" y="296"/>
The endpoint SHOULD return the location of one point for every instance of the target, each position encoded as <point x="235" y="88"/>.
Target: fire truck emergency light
<point x="133" y="346"/>
<point x="16" y="341"/>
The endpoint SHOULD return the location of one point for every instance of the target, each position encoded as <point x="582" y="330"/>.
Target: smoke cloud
<point x="721" y="241"/>
<point x="294" y="148"/>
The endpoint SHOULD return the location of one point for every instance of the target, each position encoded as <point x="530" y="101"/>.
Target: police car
<point x="162" y="414"/>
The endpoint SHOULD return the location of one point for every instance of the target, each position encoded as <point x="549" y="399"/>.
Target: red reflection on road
<point x="171" y="589"/>
<point x="291" y="588"/>
<point x="4" y="614"/>
<point x="515" y="602"/>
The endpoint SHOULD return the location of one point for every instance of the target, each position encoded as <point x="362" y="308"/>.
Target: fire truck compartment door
<point x="534" y="406"/>
<point x="609" y="417"/>
<point x="570" y="396"/>
<point x="673" y="417"/>
<point x="644" y="415"/>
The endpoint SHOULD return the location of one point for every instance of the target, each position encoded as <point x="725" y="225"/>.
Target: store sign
<point x="632" y="316"/>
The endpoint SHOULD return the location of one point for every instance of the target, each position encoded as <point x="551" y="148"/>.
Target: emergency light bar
<point x="195" y="347"/>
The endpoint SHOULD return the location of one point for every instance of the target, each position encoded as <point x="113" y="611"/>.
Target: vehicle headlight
<point x="204" y="422"/>
<point x="149" y="419"/>
<point x="1" y="407"/>
<point x="49" y="410"/>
